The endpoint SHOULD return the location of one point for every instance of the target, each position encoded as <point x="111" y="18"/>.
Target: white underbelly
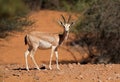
<point x="44" y="44"/>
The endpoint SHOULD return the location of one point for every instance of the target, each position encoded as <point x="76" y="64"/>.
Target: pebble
<point x="99" y="80"/>
<point x="36" y="77"/>
<point x="70" y="66"/>
<point x="109" y="78"/>
<point x="117" y="76"/>
<point x="78" y="63"/>
<point x="80" y="76"/>
<point x="60" y="73"/>
<point x="16" y="75"/>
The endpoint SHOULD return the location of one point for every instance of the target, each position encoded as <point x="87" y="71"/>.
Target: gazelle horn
<point x="69" y="19"/>
<point x="63" y="18"/>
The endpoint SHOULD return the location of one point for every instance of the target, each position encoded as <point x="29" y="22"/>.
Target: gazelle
<point x="41" y="40"/>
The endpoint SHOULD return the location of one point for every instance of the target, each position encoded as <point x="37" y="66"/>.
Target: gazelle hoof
<point x="50" y="68"/>
<point x="27" y="69"/>
<point x="38" y="69"/>
<point x="58" y="68"/>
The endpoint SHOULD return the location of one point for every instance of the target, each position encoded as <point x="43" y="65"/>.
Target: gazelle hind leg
<point x="33" y="59"/>
<point x="26" y="60"/>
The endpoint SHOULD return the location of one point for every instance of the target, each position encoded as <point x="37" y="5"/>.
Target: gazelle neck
<point x="63" y="37"/>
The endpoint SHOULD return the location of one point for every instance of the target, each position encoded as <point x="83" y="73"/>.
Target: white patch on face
<point x="44" y="44"/>
<point x="67" y="27"/>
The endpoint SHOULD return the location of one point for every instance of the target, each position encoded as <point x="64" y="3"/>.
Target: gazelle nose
<point x="67" y="28"/>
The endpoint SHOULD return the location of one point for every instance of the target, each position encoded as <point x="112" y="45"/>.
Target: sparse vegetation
<point x="12" y="16"/>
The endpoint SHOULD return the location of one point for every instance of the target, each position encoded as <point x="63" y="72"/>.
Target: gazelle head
<point x="66" y="24"/>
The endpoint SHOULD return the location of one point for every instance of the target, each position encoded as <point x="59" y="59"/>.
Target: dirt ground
<point x="12" y="62"/>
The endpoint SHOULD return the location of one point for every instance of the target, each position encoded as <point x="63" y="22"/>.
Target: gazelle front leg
<point x="52" y="51"/>
<point x="56" y="53"/>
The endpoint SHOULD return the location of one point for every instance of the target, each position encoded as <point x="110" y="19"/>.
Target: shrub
<point x="9" y="8"/>
<point x="100" y="27"/>
<point x="14" y="24"/>
<point x="66" y="5"/>
<point x="12" y="16"/>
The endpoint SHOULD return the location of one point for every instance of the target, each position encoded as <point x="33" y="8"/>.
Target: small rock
<point x="109" y="78"/>
<point x="70" y="66"/>
<point x="93" y="79"/>
<point x="78" y="63"/>
<point x="16" y="75"/>
<point x="81" y="77"/>
<point x="6" y="69"/>
<point x="99" y="80"/>
<point x="36" y="78"/>
<point x="60" y="73"/>
<point x="117" y="76"/>
<point x="74" y="64"/>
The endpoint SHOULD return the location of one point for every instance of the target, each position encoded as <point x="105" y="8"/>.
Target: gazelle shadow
<point x="41" y="68"/>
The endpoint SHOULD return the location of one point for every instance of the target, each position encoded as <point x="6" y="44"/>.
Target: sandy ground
<point x="12" y="63"/>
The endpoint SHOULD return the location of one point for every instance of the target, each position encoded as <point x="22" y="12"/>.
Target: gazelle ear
<point x="72" y="23"/>
<point x="60" y="22"/>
